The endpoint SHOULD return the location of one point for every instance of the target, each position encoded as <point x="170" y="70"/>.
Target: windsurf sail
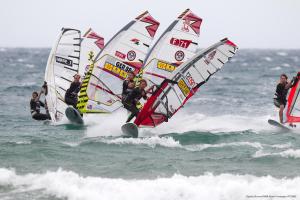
<point x="62" y="65"/>
<point x="67" y="58"/>
<point x="176" y="45"/>
<point x="173" y="93"/>
<point x="91" y="44"/>
<point x="293" y="104"/>
<point x="126" y="51"/>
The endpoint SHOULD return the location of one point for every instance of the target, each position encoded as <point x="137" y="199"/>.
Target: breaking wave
<point x="72" y="186"/>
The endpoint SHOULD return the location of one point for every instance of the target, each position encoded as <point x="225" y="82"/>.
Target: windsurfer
<point x="128" y="85"/>
<point x="71" y="96"/>
<point x="281" y="92"/>
<point x="36" y="103"/>
<point x="133" y="97"/>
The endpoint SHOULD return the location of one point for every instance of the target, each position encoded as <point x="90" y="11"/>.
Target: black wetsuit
<point x="35" y="110"/>
<point x="131" y="100"/>
<point x="71" y="96"/>
<point x="280" y="95"/>
<point x="126" y="90"/>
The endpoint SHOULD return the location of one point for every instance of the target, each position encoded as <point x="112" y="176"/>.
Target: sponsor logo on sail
<point x="131" y="55"/>
<point x="63" y="61"/>
<point x="120" y="55"/>
<point x="180" y="42"/>
<point x="183" y="87"/>
<point x="210" y="57"/>
<point x="190" y="79"/>
<point x="118" y="69"/>
<point x="179" y="55"/>
<point x="165" y="66"/>
<point x="135" y="41"/>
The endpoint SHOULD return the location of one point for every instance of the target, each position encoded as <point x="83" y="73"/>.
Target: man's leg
<point x="71" y="101"/>
<point x="281" y="108"/>
<point x="134" y="112"/>
<point x="40" y="116"/>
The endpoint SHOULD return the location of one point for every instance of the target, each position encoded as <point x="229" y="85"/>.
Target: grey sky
<point x="248" y="23"/>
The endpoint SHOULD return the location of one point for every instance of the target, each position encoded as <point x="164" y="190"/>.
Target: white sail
<point x="173" y="93"/>
<point x="62" y="65"/>
<point x="68" y="57"/>
<point x="126" y="51"/>
<point x="176" y="45"/>
<point x="92" y="43"/>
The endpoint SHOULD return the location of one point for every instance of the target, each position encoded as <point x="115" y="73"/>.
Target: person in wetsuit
<point x="133" y="97"/>
<point x="71" y="96"/>
<point x="127" y="85"/>
<point x="35" y="106"/>
<point x="282" y="89"/>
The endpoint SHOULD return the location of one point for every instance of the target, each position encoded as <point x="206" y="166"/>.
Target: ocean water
<point x="219" y="147"/>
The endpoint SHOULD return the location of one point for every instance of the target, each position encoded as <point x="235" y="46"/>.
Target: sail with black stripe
<point x="173" y="93"/>
<point x="293" y="103"/>
<point x="69" y="56"/>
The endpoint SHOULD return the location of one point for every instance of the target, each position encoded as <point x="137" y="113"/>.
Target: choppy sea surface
<point x="219" y="147"/>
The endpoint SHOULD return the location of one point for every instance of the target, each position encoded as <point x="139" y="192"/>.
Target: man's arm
<point x="39" y="95"/>
<point x="288" y="85"/>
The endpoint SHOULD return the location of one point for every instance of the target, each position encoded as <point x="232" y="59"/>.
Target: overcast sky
<point x="248" y="23"/>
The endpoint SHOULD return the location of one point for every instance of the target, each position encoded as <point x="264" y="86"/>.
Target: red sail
<point x="293" y="112"/>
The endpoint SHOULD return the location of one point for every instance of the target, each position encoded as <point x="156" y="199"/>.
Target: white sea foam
<point x="30" y="65"/>
<point x="286" y="65"/>
<point x="184" y="122"/>
<point x="289" y="153"/>
<point x="29" y="83"/>
<point x="22" y="142"/>
<point x="105" y="124"/>
<point x="71" y="144"/>
<point x="19" y="142"/>
<point x="149" y="141"/>
<point x="70" y="185"/>
<point x="282" y="53"/>
<point x="171" y="143"/>
<point x="268" y="59"/>
<point x="282" y="146"/>
<point x="276" y="68"/>
<point x="110" y="125"/>
<point x="200" y="147"/>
